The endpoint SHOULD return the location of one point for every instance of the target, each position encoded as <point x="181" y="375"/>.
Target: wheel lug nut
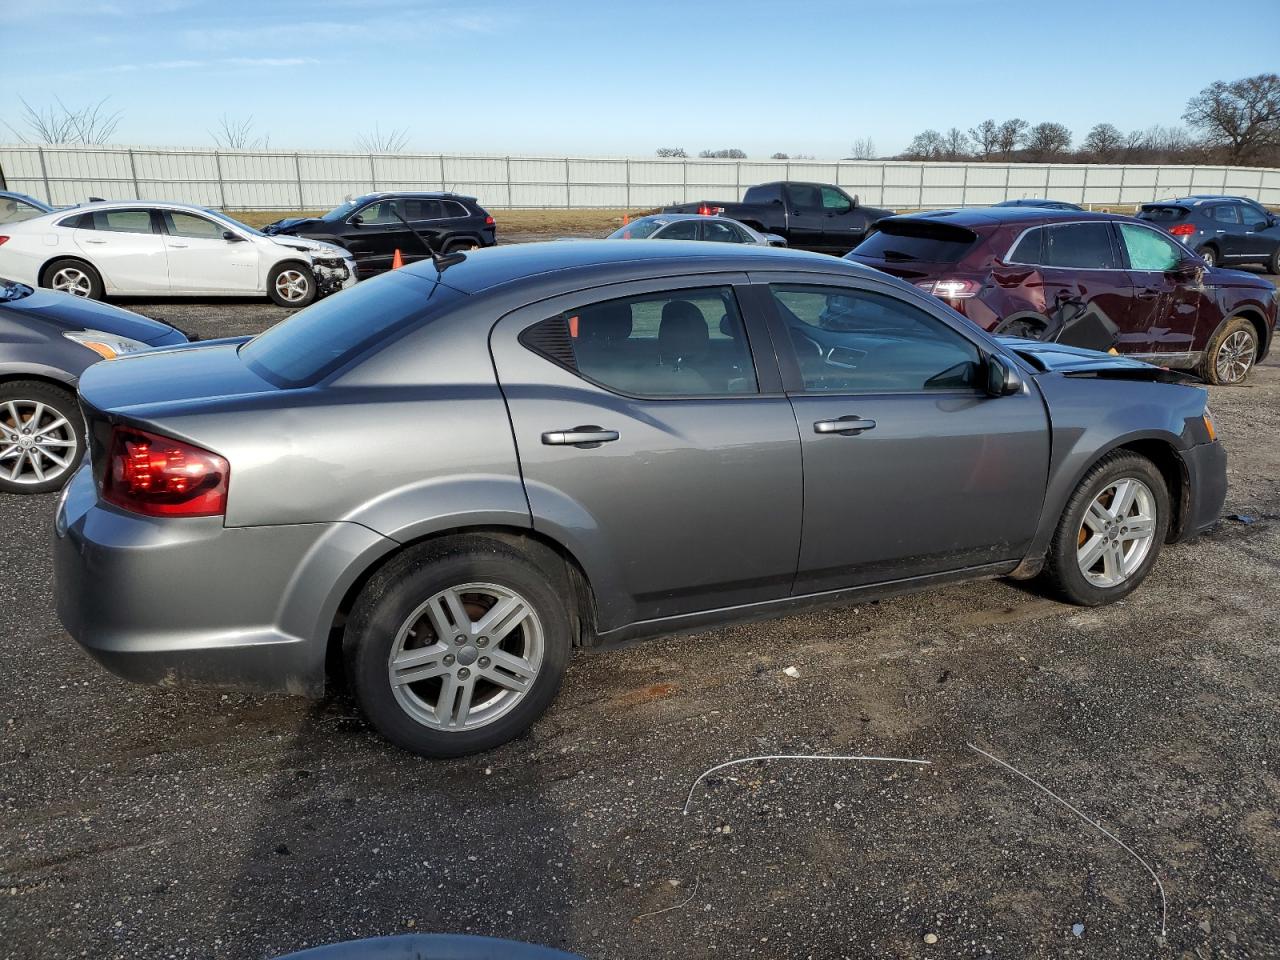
<point x="484" y="663"/>
<point x="459" y="639"/>
<point x="482" y="642"/>
<point x="464" y="673"/>
<point x="448" y="660"/>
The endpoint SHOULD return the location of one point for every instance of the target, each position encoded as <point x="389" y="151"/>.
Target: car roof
<point x="987" y="217"/>
<point x="593" y="261"/>
<point x="413" y="194"/>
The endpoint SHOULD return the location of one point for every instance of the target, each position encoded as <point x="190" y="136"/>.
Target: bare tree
<point x="928" y="145"/>
<point x="61" y="124"/>
<point x="863" y="149"/>
<point x="986" y="139"/>
<point x="1047" y="140"/>
<point x="392" y="141"/>
<point x="727" y="153"/>
<point x="1242" y="118"/>
<point x="955" y="144"/>
<point x="238" y="135"/>
<point x="1103" y="143"/>
<point x="781" y="156"/>
<point x="671" y="152"/>
<point x="1010" y="136"/>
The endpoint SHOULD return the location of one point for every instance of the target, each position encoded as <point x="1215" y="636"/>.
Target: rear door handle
<point x="1148" y="294"/>
<point x="179" y="246"/>
<point x="93" y="241"/>
<point x="848" y="426"/>
<point x="586" y="437"/>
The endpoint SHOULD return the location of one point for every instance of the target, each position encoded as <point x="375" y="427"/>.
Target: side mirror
<point x="231" y="237"/>
<point x="1186" y="270"/>
<point x="1002" y="379"/>
<point x="356" y="220"/>
<point x="855" y="199"/>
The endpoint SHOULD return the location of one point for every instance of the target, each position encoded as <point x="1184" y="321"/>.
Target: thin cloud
<point x="269" y="62"/>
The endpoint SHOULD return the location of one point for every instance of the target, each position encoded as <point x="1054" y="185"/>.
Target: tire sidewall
<point x="1231" y="326"/>
<point x="279" y="301"/>
<point x="96" y="289"/>
<point x="62" y="401"/>
<point x="1210" y="256"/>
<point x="1064" y="566"/>
<point x="393" y="594"/>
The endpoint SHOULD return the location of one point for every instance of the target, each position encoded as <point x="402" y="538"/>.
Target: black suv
<point x="375" y="226"/>
<point x="1223" y="230"/>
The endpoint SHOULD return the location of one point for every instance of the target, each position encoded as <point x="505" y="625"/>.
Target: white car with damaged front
<point x="146" y="248"/>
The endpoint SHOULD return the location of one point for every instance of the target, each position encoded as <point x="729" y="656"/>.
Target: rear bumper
<point x="175" y="601"/>
<point x="1206" y="465"/>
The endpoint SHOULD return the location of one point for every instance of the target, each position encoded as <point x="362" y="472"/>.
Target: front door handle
<point x="848" y="426"/>
<point x="587" y="437"/>
<point x="94" y="242"/>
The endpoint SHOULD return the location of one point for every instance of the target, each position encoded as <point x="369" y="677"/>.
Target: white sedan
<point x="145" y="248"/>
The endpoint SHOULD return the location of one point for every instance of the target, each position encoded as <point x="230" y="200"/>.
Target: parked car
<point x="1039" y="202"/>
<point x="375" y="226"/>
<point x="15" y="207"/>
<point x="604" y="446"/>
<point x="1092" y="279"/>
<point x="694" y="226"/>
<point x="809" y="216"/>
<point x="431" y="946"/>
<point x="47" y="340"/>
<point x="167" y="249"/>
<point x="1222" y="230"/>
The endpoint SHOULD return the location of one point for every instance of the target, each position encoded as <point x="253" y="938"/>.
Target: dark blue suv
<point x="1224" y="230"/>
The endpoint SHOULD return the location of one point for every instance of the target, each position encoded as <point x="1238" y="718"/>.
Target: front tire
<point x="1273" y="262"/>
<point x="74" y="277"/>
<point x="1231" y="354"/>
<point x="1111" y="531"/>
<point x="291" y="285"/>
<point x="457" y="646"/>
<point x="41" y="436"/>
<point x="1210" y="256"/>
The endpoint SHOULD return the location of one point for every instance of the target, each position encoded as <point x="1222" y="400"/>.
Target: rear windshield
<point x="639" y="229"/>
<point x="315" y="342"/>
<point x="923" y="240"/>
<point x="1163" y="214"/>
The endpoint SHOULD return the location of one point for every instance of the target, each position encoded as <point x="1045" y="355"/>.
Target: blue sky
<point x="550" y="77"/>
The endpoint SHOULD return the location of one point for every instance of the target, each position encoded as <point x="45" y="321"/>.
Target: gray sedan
<point x="694" y="226"/>
<point x="449" y="477"/>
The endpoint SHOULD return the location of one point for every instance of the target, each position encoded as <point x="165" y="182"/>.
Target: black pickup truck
<point x="811" y="216"/>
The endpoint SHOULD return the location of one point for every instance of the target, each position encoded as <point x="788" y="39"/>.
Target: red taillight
<point x="707" y="210"/>
<point x="950" y="289"/>
<point x="3" y="241"/>
<point x="489" y="221"/>
<point x="1183" y="230"/>
<point x="161" y="477"/>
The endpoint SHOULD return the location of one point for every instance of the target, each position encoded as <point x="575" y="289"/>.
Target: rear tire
<point x="1110" y="533"/>
<point x="1231" y="354"/>
<point x="291" y="285"/>
<point x="1273" y="262"/>
<point x="41" y="436"/>
<point x="430" y="673"/>
<point x="74" y="277"/>
<point x="461" y="246"/>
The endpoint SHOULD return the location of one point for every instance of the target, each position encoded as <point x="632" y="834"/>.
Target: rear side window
<point x="1082" y="246"/>
<point x="682" y="343"/>
<point x="315" y="342"/>
<point x="1030" y="247"/>
<point x="1148" y="250"/>
<point x="452" y="208"/>
<point x="767" y="193"/>
<point x="924" y="241"/>
<point x="722" y="232"/>
<point x="420" y="209"/>
<point x="1226" y="213"/>
<point x="122" y="221"/>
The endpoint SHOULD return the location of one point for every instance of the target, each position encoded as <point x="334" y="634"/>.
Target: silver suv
<point x="452" y="475"/>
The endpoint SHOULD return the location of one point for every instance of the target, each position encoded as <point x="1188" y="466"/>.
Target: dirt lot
<point x="140" y="823"/>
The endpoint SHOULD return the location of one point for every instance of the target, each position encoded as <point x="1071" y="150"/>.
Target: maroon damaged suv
<point x="1088" y="279"/>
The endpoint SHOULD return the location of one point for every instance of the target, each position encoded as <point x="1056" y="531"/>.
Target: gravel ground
<point x="140" y="823"/>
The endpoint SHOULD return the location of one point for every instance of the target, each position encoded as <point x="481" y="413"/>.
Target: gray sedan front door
<point x="652" y="446"/>
<point x="909" y="468"/>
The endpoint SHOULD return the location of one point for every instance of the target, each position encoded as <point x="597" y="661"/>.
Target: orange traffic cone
<point x="397" y="261"/>
<point x="626" y="218"/>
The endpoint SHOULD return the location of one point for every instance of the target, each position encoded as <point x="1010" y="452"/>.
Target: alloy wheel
<point x="466" y="656"/>
<point x="1117" y="532"/>
<point x="1235" y="357"/>
<point x="293" y="285"/>
<point x="37" y="443"/>
<point x="71" y="280"/>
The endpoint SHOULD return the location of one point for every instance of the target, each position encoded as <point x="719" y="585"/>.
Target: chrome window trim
<point x="1058" y="223"/>
<point x="1159" y="233"/>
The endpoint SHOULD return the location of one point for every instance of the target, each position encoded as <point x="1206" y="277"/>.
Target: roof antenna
<point x="442" y="261"/>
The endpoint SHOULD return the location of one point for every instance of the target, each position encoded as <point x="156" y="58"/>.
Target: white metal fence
<point x="274" y="180"/>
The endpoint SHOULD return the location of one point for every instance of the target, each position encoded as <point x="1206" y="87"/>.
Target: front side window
<point x="123" y="221"/>
<point x="681" y="230"/>
<point x="681" y="343"/>
<point x="856" y="341"/>
<point x="1148" y="250"/>
<point x="187" y="225"/>
<point x="1226" y="213"/>
<point x="639" y="229"/>
<point x="804" y="196"/>
<point x="379" y="213"/>
<point x="834" y="201"/>
<point x="1082" y="246"/>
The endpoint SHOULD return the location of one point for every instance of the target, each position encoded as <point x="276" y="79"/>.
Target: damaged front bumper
<point x="333" y="275"/>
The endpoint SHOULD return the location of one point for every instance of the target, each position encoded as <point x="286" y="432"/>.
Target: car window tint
<point x="452" y="208"/>
<point x="421" y="209"/>
<point x="1252" y="216"/>
<point x="189" y="225"/>
<point x="835" y="201"/>
<point x="804" y="196"/>
<point x="680" y="230"/>
<point x="722" y="232"/>
<point x="12" y="210"/>
<point x="1148" y="250"/>
<point x="682" y="343"/>
<point x="122" y="221"/>
<point x="320" y="339"/>
<point x="381" y="212"/>
<point x="1029" y="248"/>
<point x="1226" y="213"/>
<point x="856" y="341"/>
<point x="1084" y="246"/>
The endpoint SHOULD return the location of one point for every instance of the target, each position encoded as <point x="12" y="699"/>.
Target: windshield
<point x="218" y="214"/>
<point x="343" y="210"/>
<point x="13" y="290"/>
<point x="639" y="229"/>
